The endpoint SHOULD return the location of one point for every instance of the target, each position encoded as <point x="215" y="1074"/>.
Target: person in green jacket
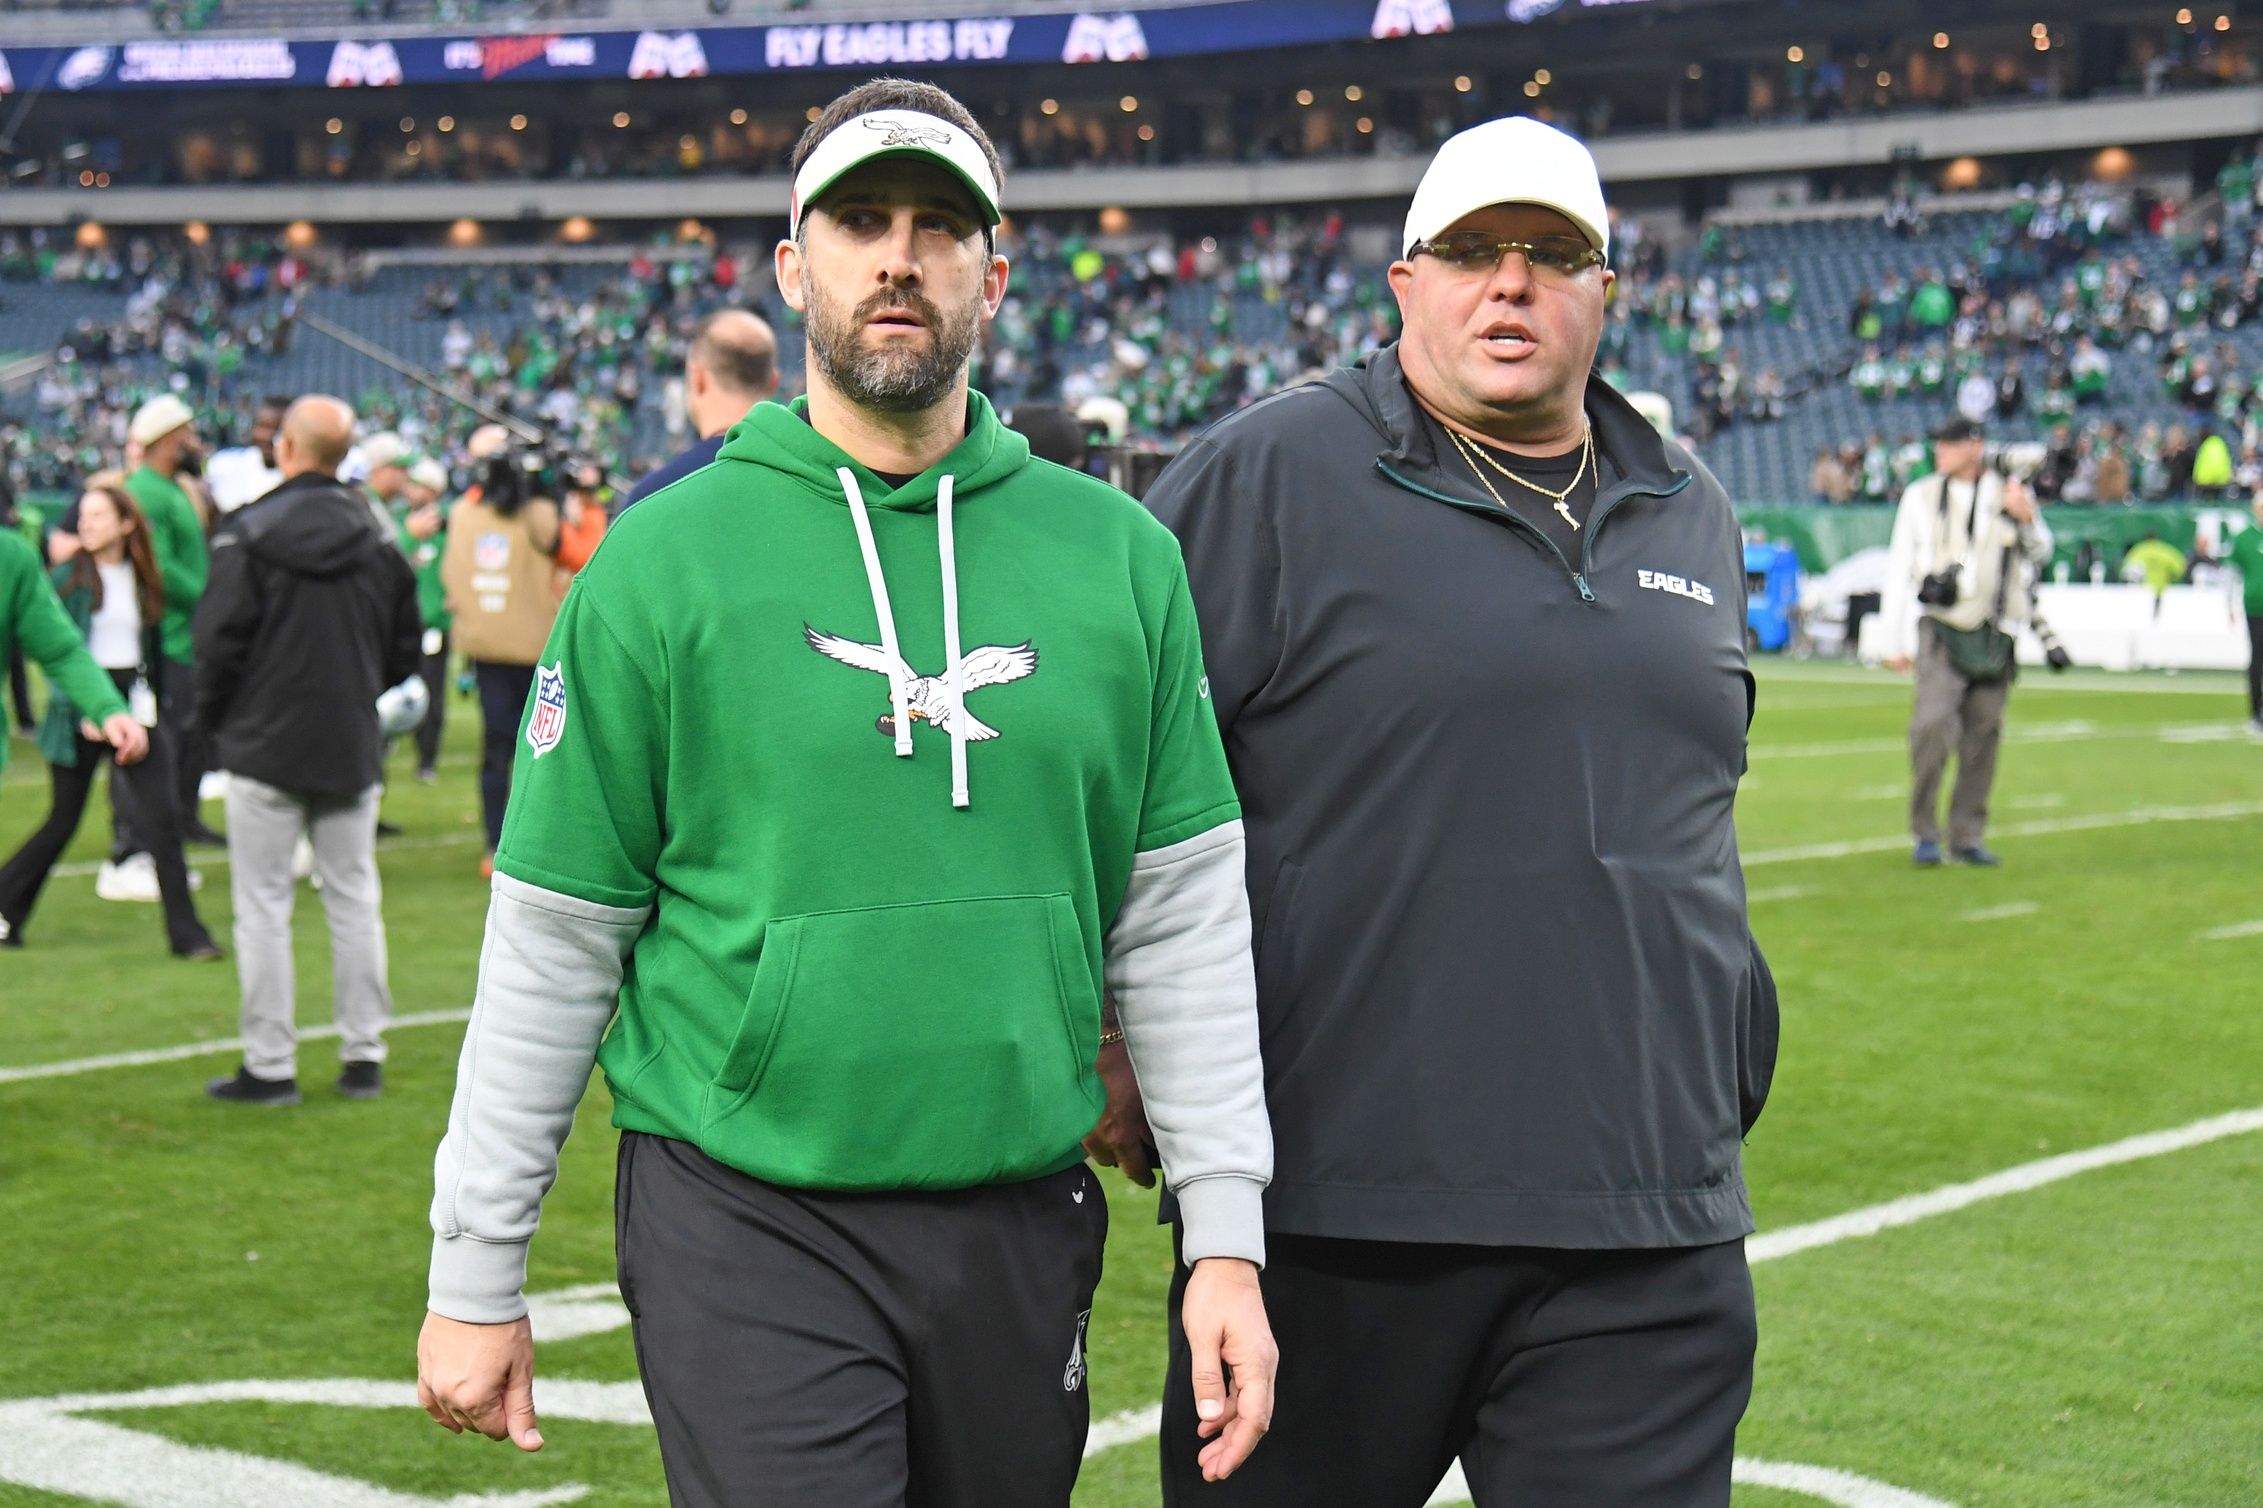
<point x="422" y="525"/>
<point x="32" y="619"/>
<point x="165" y="432"/>
<point x="858" y="763"/>
<point x="2246" y="556"/>
<point x="110" y="600"/>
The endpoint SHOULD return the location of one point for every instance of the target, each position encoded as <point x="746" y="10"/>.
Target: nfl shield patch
<point x="548" y="724"/>
<point x="491" y="552"/>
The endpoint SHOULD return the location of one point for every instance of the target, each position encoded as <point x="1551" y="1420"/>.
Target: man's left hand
<point x="1121" y="1138"/>
<point x="2018" y="501"/>
<point x="1235" y="1361"/>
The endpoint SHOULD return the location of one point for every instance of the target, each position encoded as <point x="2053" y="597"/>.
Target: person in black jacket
<point x="1475" y="635"/>
<point x="309" y="613"/>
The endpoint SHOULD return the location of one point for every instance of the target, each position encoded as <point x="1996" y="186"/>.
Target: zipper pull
<point x="1586" y="593"/>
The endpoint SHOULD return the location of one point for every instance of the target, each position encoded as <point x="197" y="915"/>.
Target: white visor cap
<point x="895" y="133"/>
<point x="1513" y="160"/>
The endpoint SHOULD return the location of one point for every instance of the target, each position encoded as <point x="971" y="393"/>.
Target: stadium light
<point x="416" y="149"/>
<point x="1353" y="93"/>
<point x="518" y="123"/>
<point x="197" y="232"/>
<point x="298" y="235"/>
<point x="812" y="113"/>
<point x="91" y="236"/>
<point x="738" y="117"/>
<point x="86" y="178"/>
<point x="447" y="124"/>
<point x="1940" y="41"/>
<point x="2184" y="17"/>
<point x="1543" y="77"/>
<point x="1462" y="83"/>
<point x="408" y="124"/>
<point x="1794" y="55"/>
<point x="620" y="120"/>
<point x="1049" y="107"/>
<point x="1114" y="220"/>
<point x="1304" y="96"/>
<point x="334" y="125"/>
<point x="465" y="232"/>
<point x="577" y="228"/>
<point x="1693" y="73"/>
<point x="1885" y="79"/>
<point x="2223" y="23"/>
<point x="1365" y="126"/>
<point x="2043" y="43"/>
<point x="1531" y="89"/>
<point x="1129" y="103"/>
<point x="1146" y="132"/>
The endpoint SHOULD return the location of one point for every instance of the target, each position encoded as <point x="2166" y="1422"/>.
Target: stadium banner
<point x="1116" y="36"/>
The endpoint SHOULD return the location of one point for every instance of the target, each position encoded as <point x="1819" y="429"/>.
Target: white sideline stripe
<point x="2086" y="679"/>
<point x="2041" y="828"/>
<point x="218" y="858"/>
<point x="1820" y="1482"/>
<point x="1770" y="1245"/>
<point x="2226" y="934"/>
<point x="2039" y="733"/>
<point x="1894" y="792"/>
<point x="1126" y="1428"/>
<point x="2003" y="913"/>
<point x="1777" y="893"/>
<point x="2044" y="799"/>
<point x="202" y="1049"/>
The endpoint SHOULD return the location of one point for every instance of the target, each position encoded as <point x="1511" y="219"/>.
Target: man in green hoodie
<point x="31" y="619"/>
<point x="858" y="763"/>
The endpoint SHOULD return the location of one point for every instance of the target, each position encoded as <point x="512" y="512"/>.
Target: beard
<point x="894" y="380"/>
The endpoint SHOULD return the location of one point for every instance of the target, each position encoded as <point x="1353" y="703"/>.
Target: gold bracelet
<point x="1111" y="1038"/>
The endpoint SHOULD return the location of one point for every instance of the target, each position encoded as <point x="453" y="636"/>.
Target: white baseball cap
<point x="385" y="448"/>
<point x="895" y="133"/>
<point x="157" y="418"/>
<point x="429" y="473"/>
<point x="1513" y="160"/>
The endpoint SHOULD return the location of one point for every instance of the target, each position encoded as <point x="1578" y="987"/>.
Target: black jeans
<point x="187" y="752"/>
<point x="149" y="782"/>
<point x="503" y="690"/>
<point x="433" y="671"/>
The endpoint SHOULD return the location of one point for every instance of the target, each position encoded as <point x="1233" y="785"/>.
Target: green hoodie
<point x="851" y="980"/>
<point x="33" y="619"/>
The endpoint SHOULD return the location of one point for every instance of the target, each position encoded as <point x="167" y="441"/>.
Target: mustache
<point x="899" y="298"/>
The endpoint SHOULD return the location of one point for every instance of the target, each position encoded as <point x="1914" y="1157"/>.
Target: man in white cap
<point x="856" y="1229"/>
<point x="1475" y="633"/>
<point x="164" y="430"/>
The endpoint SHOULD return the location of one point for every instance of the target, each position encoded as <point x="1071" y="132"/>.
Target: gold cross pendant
<point x="1565" y="509"/>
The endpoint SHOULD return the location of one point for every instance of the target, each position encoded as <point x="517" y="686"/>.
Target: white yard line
<point x="187" y="1050"/>
<point x="1895" y="1213"/>
<point x="2003" y="913"/>
<point x="1777" y="893"/>
<point x="2040" y="800"/>
<point x="217" y="858"/>
<point x="2042" y="828"/>
<point x="2237" y="930"/>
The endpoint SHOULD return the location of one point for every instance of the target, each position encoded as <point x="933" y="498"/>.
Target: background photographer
<point x="496" y="568"/>
<point x="1956" y="595"/>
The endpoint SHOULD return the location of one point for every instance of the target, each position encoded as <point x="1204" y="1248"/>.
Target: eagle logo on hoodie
<point x="928" y="698"/>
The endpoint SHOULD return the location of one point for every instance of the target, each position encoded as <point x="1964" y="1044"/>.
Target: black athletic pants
<point x="1559" y="1379"/>
<point x="893" y="1350"/>
<point x="503" y="690"/>
<point x="433" y="670"/>
<point x="2255" y="667"/>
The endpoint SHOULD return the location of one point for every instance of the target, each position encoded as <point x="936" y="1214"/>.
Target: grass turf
<point x="2091" y="1342"/>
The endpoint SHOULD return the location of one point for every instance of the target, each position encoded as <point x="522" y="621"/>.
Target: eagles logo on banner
<point x="548" y="725"/>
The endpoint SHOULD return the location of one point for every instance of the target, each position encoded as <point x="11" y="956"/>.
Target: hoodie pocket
<point x="938" y="1045"/>
<point x="1762" y="1028"/>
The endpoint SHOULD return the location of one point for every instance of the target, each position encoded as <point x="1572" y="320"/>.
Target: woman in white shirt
<point x="113" y="590"/>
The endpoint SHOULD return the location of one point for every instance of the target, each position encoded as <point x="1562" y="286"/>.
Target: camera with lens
<point x="1940" y="589"/>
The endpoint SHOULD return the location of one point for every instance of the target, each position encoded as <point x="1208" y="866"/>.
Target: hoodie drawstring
<point x="899" y="672"/>
<point x="954" y="677"/>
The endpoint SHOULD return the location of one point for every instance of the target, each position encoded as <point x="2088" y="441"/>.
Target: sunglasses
<point x="1475" y="251"/>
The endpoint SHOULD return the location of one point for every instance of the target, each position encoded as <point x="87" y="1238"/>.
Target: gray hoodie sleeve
<point x="549" y="979"/>
<point x="1178" y="967"/>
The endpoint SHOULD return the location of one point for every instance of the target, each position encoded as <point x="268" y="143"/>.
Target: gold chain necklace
<point x="1472" y="453"/>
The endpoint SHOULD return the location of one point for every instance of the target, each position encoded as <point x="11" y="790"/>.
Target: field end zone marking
<point x="2226" y="934"/>
<point x="2003" y="913"/>
<point x="2045" y="827"/>
<point x="203" y="1049"/>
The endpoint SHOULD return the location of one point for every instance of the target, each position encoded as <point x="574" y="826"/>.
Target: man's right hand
<point x="479" y="1377"/>
<point x="128" y="737"/>
<point x="1121" y="1138"/>
<point x="1898" y="664"/>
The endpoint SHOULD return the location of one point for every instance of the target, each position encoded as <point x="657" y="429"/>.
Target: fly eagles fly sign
<point x="1120" y="35"/>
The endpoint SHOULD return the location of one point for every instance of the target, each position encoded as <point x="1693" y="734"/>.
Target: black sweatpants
<point x="893" y="1350"/>
<point x="432" y="669"/>
<point x="503" y="690"/>
<point x="1602" y="1379"/>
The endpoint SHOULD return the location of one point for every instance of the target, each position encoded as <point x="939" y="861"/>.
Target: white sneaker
<point x="213" y="786"/>
<point x="133" y="879"/>
<point x="2255" y="728"/>
<point x="302" y="859"/>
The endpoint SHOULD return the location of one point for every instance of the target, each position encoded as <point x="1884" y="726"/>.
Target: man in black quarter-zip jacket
<point x="1475" y="636"/>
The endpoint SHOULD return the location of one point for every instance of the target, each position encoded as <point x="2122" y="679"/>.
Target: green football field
<point x="205" y="1306"/>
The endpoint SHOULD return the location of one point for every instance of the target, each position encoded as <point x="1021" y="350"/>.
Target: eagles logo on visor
<point x="896" y="133"/>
